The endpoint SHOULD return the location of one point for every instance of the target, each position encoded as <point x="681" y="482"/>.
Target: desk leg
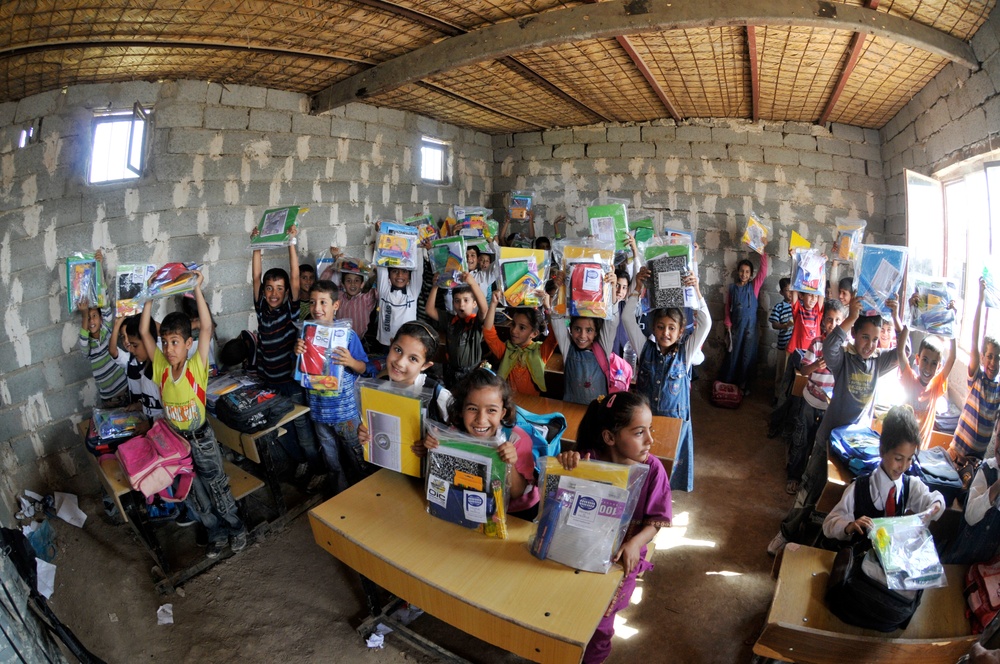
<point x="143" y="529"/>
<point x="270" y="473"/>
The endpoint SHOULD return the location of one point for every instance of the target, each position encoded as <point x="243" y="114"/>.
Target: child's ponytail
<point x="612" y="413"/>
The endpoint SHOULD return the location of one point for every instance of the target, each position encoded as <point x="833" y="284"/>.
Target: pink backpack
<point x="151" y="462"/>
<point x="617" y="370"/>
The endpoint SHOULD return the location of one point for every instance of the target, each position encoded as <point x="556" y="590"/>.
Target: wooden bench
<point x="799" y="627"/>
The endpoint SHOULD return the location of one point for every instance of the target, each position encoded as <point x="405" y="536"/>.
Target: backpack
<point x="982" y="592"/>
<point x="546" y="431"/>
<point x="251" y="409"/>
<point x="617" y="370"/>
<point x="857" y="447"/>
<point x="856" y="592"/>
<point x="726" y="395"/>
<point x="935" y="467"/>
<point x="151" y="462"/>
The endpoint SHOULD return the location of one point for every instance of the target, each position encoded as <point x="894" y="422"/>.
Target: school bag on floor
<point x="858" y="594"/>
<point x="152" y="462"/>
<point x="616" y="370"/>
<point x="982" y="592"/>
<point x="726" y="395"/>
<point x="251" y="409"/>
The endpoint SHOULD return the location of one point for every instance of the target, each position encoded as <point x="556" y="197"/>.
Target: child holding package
<point x="856" y="368"/>
<point x="95" y="340"/>
<point x="618" y="429"/>
<point x="463" y="332"/>
<point x="886" y="491"/>
<point x="522" y="359"/>
<point x="926" y="382"/>
<point x="781" y="321"/>
<point x="979" y="415"/>
<point x="664" y="367"/>
<point x="182" y="391"/>
<point x="741" y="324"/>
<point x="398" y="293"/>
<point x="357" y="299"/>
<point x="142" y="386"/>
<point x="337" y="418"/>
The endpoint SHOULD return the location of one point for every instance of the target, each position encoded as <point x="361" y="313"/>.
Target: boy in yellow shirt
<point x="182" y="393"/>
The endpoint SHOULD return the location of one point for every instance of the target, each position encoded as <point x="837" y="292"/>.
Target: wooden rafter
<point x="754" y="72"/>
<point x="857" y="44"/>
<point x="473" y="102"/>
<point x="611" y="19"/>
<point x="643" y="68"/>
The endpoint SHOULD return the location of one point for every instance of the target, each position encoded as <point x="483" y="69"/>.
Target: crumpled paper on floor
<point x="377" y="638"/>
<point x="165" y="615"/>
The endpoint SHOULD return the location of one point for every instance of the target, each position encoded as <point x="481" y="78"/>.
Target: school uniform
<point x="876" y="495"/>
<point x="741" y="319"/>
<point x="397" y="305"/>
<point x="977" y="540"/>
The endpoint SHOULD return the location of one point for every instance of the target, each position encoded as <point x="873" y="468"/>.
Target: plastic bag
<point x="906" y="550"/>
<point x="585" y="512"/>
<point x="394" y="417"/>
<point x="580" y="294"/>
<point x="609" y="223"/>
<point x="992" y="295"/>
<point x="273" y="227"/>
<point x="757" y="233"/>
<point x="130" y="280"/>
<point x="669" y="263"/>
<point x="520" y="205"/>
<point x="396" y="246"/>
<point x="878" y="274"/>
<point x="931" y="313"/>
<point x="424" y="223"/>
<point x="522" y="273"/>
<point x="117" y="422"/>
<point x="315" y="368"/>
<point x="467" y="482"/>
<point x="808" y="271"/>
<point x="171" y="279"/>
<point x="84" y="282"/>
<point x="471" y="221"/>
<point x="642" y="229"/>
<point x="850" y="235"/>
<point x="448" y="260"/>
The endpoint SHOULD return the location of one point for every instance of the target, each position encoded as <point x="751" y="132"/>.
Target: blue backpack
<point x="857" y="447"/>
<point x="546" y="432"/>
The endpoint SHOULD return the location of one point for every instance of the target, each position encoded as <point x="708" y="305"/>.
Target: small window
<point x="30" y="134"/>
<point x="433" y="160"/>
<point x="119" y="146"/>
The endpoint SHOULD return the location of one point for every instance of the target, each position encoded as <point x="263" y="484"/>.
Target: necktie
<point x="890" y="502"/>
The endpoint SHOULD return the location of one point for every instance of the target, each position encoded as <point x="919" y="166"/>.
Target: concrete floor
<point x="286" y="599"/>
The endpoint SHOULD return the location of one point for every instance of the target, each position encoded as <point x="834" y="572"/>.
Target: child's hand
<point x="507" y="453"/>
<point x="914" y="300"/>
<point x="642" y="276"/>
<point x="495" y="299"/>
<point x="421" y="446"/>
<point x="335" y="252"/>
<point x="892" y="305"/>
<point x="364" y="436"/>
<point x="982" y="287"/>
<point x="201" y="277"/>
<point x="342" y="356"/>
<point x="860" y="526"/>
<point x="630" y="238"/>
<point x="293" y="232"/>
<point x="559" y="278"/>
<point x="629" y="555"/>
<point x="300" y="346"/>
<point x="461" y="276"/>
<point x="254" y="233"/>
<point x="952" y="305"/>
<point x="99" y="256"/>
<point x="569" y="460"/>
<point x="690" y="280"/>
<point x="855" y="309"/>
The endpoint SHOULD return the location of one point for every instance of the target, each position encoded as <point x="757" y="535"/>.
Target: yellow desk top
<point x="246" y="443"/>
<point x="493" y="589"/>
<point x="801" y="629"/>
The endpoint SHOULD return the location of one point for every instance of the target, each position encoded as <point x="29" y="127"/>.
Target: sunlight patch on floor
<point x="636" y="595"/>
<point x="724" y="573"/>
<point x="623" y="631"/>
<point x="673" y="537"/>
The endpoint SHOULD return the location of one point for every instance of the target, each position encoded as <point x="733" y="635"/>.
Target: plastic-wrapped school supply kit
<point x="757" y="233"/>
<point x="171" y="279"/>
<point x="396" y="246"/>
<point x="394" y="417"/>
<point x="448" y="260"/>
<point x="130" y="281"/>
<point x="117" y="422"/>
<point x="931" y="313"/>
<point x="668" y="265"/>
<point x="609" y="223"/>
<point x="585" y="291"/>
<point x="585" y="512"/>
<point x="808" y="271"/>
<point x="424" y="223"/>
<point x="906" y="550"/>
<point x="878" y="274"/>
<point x="520" y="204"/>
<point x="992" y="295"/>
<point x="466" y="482"/>
<point x="850" y="235"/>
<point x="522" y="273"/>
<point x="84" y="281"/>
<point x="316" y="368"/>
<point x="474" y="222"/>
<point x="274" y="225"/>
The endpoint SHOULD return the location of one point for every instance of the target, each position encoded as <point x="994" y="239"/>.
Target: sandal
<point x="791" y="487"/>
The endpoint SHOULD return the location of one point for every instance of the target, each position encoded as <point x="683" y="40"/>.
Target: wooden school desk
<point x="801" y="629"/>
<point x="492" y="589"/>
<point x="666" y="430"/>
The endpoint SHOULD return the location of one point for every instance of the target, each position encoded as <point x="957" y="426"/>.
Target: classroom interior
<point x="696" y="119"/>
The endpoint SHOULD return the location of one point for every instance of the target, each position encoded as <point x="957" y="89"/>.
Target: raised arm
<point x="148" y="342"/>
<point x="904" y="334"/>
<point x="974" y="359"/>
<point x="477" y="293"/>
<point x="204" y="317"/>
<point x="491" y="313"/>
<point x="432" y="310"/>
<point x="702" y="321"/>
<point x="293" y="264"/>
<point x="758" y="281"/>
<point x="113" y="341"/>
<point x="255" y="274"/>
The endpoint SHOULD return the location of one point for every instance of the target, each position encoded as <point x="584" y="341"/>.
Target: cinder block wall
<point x="706" y="176"/>
<point x="218" y="157"/>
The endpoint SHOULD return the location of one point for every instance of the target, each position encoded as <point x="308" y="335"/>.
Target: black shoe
<point x="215" y="549"/>
<point x="185" y="520"/>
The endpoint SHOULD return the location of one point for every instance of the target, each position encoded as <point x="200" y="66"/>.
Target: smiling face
<point x="632" y="443"/>
<point x="322" y="306"/>
<point x="928" y="362"/>
<point x="175" y="347"/>
<point x="274" y="292"/>
<point x="621" y="289"/>
<point x="306" y="281"/>
<point x="831" y="319"/>
<point x="666" y="331"/>
<point x="885" y="335"/>
<point x="407" y="358"/>
<point x="352" y="284"/>
<point x="743" y="274"/>
<point x="809" y="300"/>
<point x="483" y="412"/>
<point x="472" y="258"/>
<point x="897" y="461"/>
<point x="485" y="260"/>
<point x="399" y="278"/>
<point x="93" y="322"/>
<point x="866" y="339"/>
<point x="582" y="331"/>
<point x="990" y="360"/>
<point x="844" y="296"/>
<point x="465" y="305"/>
<point x="521" y="332"/>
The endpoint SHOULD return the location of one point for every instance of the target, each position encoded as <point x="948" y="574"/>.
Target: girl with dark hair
<point x="741" y="324"/>
<point x="522" y="358"/>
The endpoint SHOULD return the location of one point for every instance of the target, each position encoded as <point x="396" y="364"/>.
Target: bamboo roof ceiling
<point x="511" y="65"/>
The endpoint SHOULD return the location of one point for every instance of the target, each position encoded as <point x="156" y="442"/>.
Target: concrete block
<point x="536" y="152"/>
<point x="797" y="128"/>
<point x="800" y="142"/>
<point x="590" y="135"/>
<point x="728" y="136"/>
<point x="895" y="225"/>
<point x="271" y="122"/>
<point x="765" y="138"/>
<point x="694" y="134"/>
<point x="387" y="135"/>
<point x="748" y="153"/>
<point x="503" y="154"/>
<point x="502" y="141"/>
<point x="557" y="136"/>
<point x="848" y="132"/>
<point x="178" y="115"/>
<point x="832" y="179"/>
<point x="657" y="133"/>
<point x="624" y="134"/>
<point x="37" y="106"/>
<point x="7" y="111"/>
<point x="282" y="100"/>
<point x="30" y="380"/>
<point x="985" y="42"/>
<point x="213" y="94"/>
<point x="834" y="146"/>
<point x="392" y="117"/>
<point x="972" y="128"/>
<point x="569" y="151"/>
<point x="817" y="160"/>
<point x="781" y="156"/>
<point x="872" y="136"/>
<point x="345" y="128"/>
<point x="363" y="112"/>
<point x="874" y="168"/>
<point x="992" y="110"/>
<point x="317" y="125"/>
<point x="528" y="138"/>
<point x="864" y="183"/>
<point x="597" y="150"/>
<point x="184" y="140"/>
<point x="221" y="117"/>
<point x="669" y="149"/>
<point x="709" y="151"/>
<point x="243" y="95"/>
<point x="866" y="151"/>
<point x="638" y="149"/>
<point x="188" y="91"/>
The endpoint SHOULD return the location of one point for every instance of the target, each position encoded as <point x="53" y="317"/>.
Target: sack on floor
<point x="982" y="592"/>
<point x="152" y="462"/>
<point x="856" y="592"/>
<point x="726" y="395"/>
<point x="251" y="409"/>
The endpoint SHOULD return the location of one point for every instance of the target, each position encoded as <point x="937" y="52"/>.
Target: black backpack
<point x="250" y="409"/>
<point x="863" y="601"/>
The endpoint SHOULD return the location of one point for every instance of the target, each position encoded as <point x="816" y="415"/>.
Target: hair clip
<point x="611" y="401"/>
<point x="486" y="366"/>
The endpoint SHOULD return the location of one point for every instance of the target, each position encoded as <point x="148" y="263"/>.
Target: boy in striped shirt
<point x="979" y="415"/>
<point x="781" y="321"/>
<point x="95" y="339"/>
<point x="356" y="297"/>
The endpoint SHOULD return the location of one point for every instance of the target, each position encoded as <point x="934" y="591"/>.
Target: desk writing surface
<point x="800" y="628"/>
<point x="493" y="589"/>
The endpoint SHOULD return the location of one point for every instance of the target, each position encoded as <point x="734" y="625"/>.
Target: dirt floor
<point x="285" y="599"/>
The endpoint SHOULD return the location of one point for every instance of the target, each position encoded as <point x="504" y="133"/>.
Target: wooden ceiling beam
<point x="472" y="102"/>
<point x="754" y="73"/>
<point x="857" y="44"/>
<point x="412" y="15"/>
<point x="626" y="17"/>
<point x="640" y="64"/>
